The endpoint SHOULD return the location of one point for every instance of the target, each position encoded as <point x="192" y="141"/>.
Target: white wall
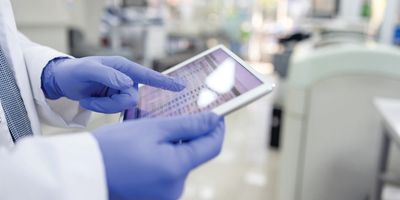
<point x="86" y="16"/>
<point x="351" y="9"/>
<point x="48" y="21"/>
<point x="43" y="21"/>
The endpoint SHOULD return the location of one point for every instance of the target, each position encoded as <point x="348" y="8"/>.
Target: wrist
<point x="49" y="85"/>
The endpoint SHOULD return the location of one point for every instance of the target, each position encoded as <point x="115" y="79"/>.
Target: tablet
<point x="216" y="80"/>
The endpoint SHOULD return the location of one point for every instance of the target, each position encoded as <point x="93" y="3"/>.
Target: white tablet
<point x="216" y="80"/>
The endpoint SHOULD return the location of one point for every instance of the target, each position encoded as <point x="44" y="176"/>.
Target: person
<point x="142" y="159"/>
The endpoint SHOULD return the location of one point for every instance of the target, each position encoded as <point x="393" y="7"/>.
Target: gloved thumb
<point x="187" y="128"/>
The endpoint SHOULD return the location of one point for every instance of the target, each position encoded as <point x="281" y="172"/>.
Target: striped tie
<point x="12" y="103"/>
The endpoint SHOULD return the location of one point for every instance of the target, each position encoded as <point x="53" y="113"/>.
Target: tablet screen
<point x="211" y="80"/>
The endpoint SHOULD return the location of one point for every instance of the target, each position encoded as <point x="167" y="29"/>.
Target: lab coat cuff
<point x="35" y="65"/>
<point x="81" y="164"/>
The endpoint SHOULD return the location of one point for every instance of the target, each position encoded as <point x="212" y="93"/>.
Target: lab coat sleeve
<point x="62" y="112"/>
<point x="57" y="167"/>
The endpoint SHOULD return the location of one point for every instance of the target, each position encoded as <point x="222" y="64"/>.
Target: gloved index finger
<point x="143" y="74"/>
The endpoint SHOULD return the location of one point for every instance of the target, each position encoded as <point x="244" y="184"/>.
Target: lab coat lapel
<point x="10" y="43"/>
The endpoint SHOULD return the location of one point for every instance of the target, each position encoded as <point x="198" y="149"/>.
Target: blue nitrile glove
<point x="102" y="84"/>
<point x="144" y="159"/>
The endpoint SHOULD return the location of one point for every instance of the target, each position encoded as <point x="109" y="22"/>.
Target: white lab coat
<point x="58" y="167"/>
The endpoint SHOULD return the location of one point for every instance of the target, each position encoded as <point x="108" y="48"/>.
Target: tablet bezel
<point x="239" y="101"/>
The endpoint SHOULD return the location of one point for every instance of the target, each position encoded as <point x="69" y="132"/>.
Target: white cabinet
<point x="331" y="129"/>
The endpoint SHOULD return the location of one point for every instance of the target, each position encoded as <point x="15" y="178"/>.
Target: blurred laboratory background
<point x="327" y="132"/>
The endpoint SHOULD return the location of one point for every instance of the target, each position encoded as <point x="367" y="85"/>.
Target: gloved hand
<point x="144" y="159"/>
<point x="102" y="84"/>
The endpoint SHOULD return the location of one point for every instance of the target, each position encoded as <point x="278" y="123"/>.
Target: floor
<point x="246" y="168"/>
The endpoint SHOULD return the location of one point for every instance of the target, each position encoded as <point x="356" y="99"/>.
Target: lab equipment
<point x="331" y="130"/>
<point x="149" y="162"/>
<point x="389" y="110"/>
<point x="216" y="80"/>
<point x="325" y="8"/>
<point x="102" y="84"/>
